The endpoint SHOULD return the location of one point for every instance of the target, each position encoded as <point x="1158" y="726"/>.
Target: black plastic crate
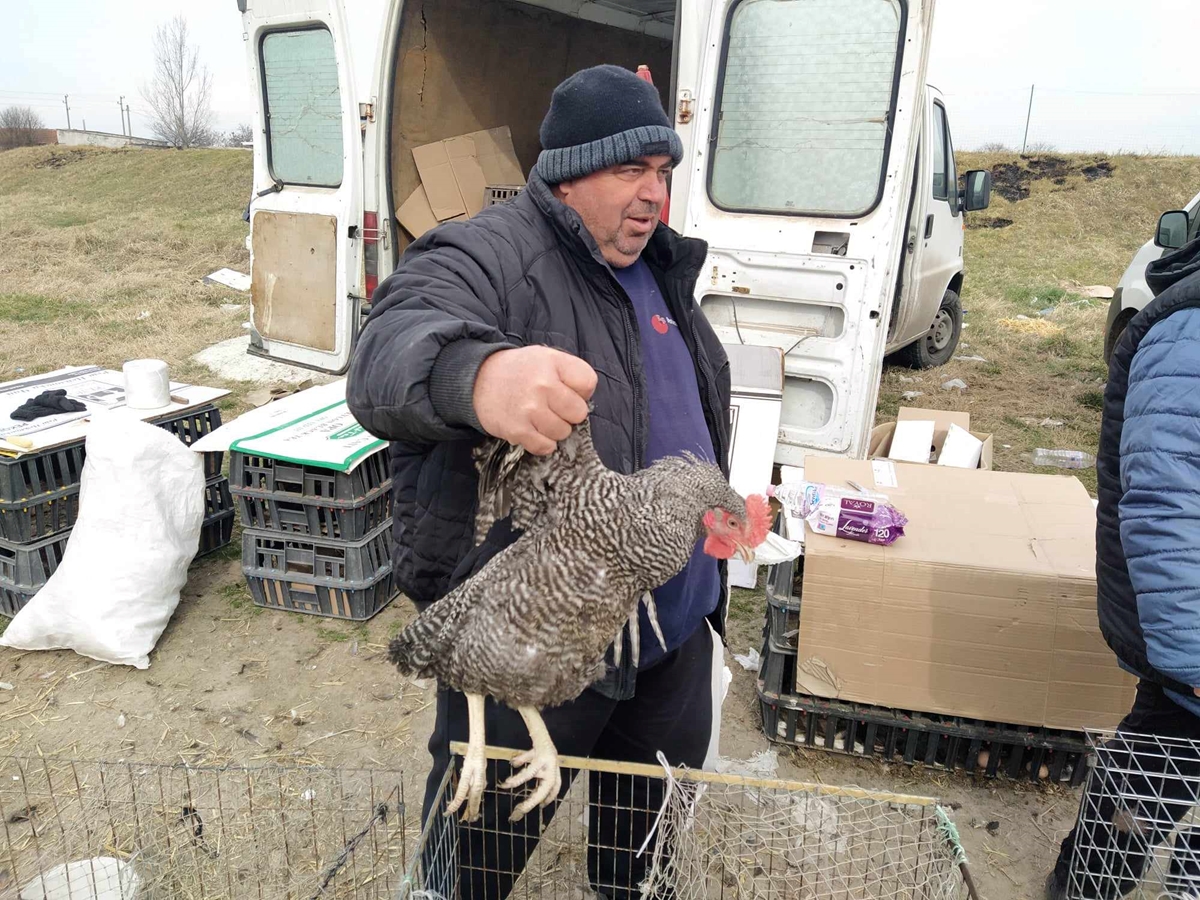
<point x="283" y="556"/>
<point x="320" y="597"/>
<point x="499" y="193"/>
<point x="783" y="623"/>
<point x="891" y="735"/>
<point x="217" y="532"/>
<point x="262" y="475"/>
<point x="784" y="582"/>
<point x="193" y="425"/>
<point x="36" y="476"/>
<point x="13" y="599"/>
<point x="25" y="521"/>
<point x="217" y="499"/>
<point x="26" y="567"/>
<point x="346" y="521"/>
<point x="219" y="513"/>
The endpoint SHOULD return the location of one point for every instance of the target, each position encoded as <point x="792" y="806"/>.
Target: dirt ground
<point x="232" y="683"/>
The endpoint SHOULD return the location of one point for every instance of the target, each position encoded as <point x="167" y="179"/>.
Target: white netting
<point x="776" y="841"/>
<point x="700" y="836"/>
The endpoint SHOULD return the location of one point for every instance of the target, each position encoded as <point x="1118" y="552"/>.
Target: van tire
<point x="937" y="346"/>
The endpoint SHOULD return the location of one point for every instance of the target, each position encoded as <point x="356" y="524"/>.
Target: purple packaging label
<point x="877" y="524"/>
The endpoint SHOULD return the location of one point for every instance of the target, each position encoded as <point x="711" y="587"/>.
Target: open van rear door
<point x="306" y="206"/>
<point x="802" y="121"/>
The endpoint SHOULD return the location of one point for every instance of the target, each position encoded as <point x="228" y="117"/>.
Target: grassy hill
<point x="103" y="252"/>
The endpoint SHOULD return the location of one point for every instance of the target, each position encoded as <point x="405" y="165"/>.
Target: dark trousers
<point x="1113" y="854"/>
<point x="672" y="713"/>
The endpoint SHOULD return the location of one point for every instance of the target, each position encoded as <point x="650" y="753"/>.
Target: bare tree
<point x="180" y="93"/>
<point x="19" y="126"/>
<point x="240" y="135"/>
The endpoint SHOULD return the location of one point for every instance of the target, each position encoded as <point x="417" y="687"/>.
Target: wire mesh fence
<point x="632" y="831"/>
<point x="1138" y="834"/>
<point x="89" y="830"/>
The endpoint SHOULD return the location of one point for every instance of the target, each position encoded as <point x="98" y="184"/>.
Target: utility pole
<point x="1028" y="114"/>
<point x="121" y="109"/>
<point x="67" y="104"/>
<point x="129" y="118"/>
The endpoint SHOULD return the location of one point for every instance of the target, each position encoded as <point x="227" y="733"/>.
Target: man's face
<point x="620" y="206"/>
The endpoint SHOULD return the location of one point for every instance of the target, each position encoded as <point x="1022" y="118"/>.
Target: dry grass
<point x="1049" y="365"/>
<point x="104" y="252"/>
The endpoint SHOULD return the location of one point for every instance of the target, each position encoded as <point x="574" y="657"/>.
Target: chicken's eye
<point x="733" y="523"/>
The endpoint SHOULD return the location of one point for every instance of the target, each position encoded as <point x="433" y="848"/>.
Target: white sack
<point x="775" y="550"/>
<point x="101" y="878"/>
<point x="141" y="507"/>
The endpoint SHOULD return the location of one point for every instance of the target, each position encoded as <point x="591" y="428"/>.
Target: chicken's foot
<point x="472" y="775"/>
<point x="541" y="762"/>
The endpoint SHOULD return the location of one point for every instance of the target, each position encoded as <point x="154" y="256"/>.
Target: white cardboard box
<point x="756" y="404"/>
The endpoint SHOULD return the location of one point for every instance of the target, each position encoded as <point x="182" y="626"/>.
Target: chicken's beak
<point x="745" y="554"/>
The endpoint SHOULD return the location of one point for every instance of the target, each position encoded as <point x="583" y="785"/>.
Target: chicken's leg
<point x="541" y="762"/>
<point x="472" y="777"/>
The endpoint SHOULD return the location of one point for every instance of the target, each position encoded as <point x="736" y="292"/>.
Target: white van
<point x="818" y="167"/>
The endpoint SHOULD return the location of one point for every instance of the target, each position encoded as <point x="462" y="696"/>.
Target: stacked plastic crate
<point x="893" y="735"/>
<point x="316" y="540"/>
<point x="39" y="503"/>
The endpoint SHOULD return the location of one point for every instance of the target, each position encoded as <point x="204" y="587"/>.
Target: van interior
<point x="468" y="65"/>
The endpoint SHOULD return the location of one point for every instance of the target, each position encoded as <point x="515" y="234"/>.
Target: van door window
<point x="303" y="107"/>
<point x="952" y="169"/>
<point x="941" y="181"/>
<point x="804" y="106"/>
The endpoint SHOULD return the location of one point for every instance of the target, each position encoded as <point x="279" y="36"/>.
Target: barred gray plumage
<point x="532" y="627"/>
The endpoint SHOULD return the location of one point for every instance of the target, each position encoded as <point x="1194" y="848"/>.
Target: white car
<point x="1175" y="228"/>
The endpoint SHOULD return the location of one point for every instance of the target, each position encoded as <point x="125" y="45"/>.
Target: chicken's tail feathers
<point x="411" y="653"/>
<point x="414" y="650"/>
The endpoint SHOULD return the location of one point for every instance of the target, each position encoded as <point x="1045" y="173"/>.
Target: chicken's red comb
<point x="758" y="519"/>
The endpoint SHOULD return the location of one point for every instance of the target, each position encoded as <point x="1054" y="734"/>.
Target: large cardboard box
<point x="454" y="174"/>
<point x="986" y="608"/>
<point x="881" y="435"/>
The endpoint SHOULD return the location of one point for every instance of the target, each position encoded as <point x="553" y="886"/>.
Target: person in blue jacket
<point x="1148" y="589"/>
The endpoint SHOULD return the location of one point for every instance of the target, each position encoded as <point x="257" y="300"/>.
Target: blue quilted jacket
<point x="1159" y="496"/>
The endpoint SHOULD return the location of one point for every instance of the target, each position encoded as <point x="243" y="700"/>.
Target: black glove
<point x="48" y="403"/>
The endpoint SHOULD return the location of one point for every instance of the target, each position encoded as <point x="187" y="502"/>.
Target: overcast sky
<point x="1110" y="74"/>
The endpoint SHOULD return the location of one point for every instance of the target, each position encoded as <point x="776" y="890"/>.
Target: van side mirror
<point x="1172" y="230"/>
<point x="977" y="190"/>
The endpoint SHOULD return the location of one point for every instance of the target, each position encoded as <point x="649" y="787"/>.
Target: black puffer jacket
<point x="522" y="273"/>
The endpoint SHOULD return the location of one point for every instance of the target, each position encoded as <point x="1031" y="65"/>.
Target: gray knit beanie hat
<point x="603" y="117"/>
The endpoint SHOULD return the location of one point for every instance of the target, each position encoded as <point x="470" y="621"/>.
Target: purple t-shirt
<point x="676" y="424"/>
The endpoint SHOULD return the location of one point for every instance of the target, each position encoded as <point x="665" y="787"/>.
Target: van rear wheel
<point x="939" y="343"/>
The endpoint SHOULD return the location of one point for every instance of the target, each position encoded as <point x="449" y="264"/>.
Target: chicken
<point x="532" y="627"/>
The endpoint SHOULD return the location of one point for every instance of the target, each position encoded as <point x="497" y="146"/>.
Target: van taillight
<point x="370" y="231"/>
